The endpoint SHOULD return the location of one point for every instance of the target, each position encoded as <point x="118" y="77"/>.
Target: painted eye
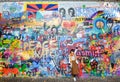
<point x="103" y="16"/>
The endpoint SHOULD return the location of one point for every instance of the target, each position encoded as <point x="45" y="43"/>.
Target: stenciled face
<point x="54" y="30"/>
<point x="71" y="13"/>
<point x="62" y="12"/>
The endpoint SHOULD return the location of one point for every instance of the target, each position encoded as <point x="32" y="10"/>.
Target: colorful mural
<point x="36" y="39"/>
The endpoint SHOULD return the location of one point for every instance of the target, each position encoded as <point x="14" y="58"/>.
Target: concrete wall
<point x="93" y="79"/>
<point x="36" y="38"/>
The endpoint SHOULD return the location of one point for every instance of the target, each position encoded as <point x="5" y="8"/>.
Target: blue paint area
<point x="51" y="49"/>
<point x="39" y="16"/>
<point x="96" y="29"/>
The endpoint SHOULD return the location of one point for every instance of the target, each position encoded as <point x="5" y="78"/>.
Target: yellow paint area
<point x="6" y="41"/>
<point x="79" y="19"/>
<point x="117" y="45"/>
<point x="27" y="54"/>
<point x="16" y="44"/>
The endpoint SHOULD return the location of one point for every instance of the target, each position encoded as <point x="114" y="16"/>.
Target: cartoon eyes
<point x="94" y="64"/>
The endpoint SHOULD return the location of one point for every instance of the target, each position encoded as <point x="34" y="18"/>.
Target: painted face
<point x="71" y="13"/>
<point x="100" y="24"/>
<point x="62" y="12"/>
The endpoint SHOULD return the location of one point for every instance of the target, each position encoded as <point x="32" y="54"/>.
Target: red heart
<point x="69" y="24"/>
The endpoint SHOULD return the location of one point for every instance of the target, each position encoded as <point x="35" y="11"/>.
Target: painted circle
<point x="100" y="23"/>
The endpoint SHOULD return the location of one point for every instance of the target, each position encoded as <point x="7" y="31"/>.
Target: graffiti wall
<point x="36" y="38"/>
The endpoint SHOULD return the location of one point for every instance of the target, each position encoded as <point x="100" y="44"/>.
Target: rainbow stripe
<point x="98" y="13"/>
